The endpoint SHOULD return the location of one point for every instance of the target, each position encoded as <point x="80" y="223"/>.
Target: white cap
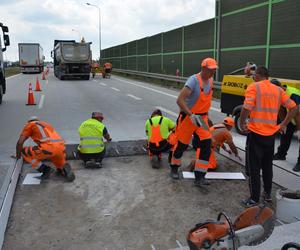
<point x="33" y="118"/>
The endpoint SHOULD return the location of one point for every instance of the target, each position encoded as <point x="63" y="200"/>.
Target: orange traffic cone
<point x="30" y="100"/>
<point x="37" y="85"/>
<point x="43" y="76"/>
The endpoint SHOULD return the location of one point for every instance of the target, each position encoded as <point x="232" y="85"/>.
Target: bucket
<point x="288" y="206"/>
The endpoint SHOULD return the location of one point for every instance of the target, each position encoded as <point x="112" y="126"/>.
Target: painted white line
<point x="13" y="76"/>
<point x="141" y="86"/>
<point x="115" y="89"/>
<point x="42" y="100"/>
<point x="94" y="80"/>
<point x="159" y="91"/>
<point x="47" y="82"/>
<point x="134" y="97"/>
<point x="167" y="111"/>
<point x="103" y="84"/>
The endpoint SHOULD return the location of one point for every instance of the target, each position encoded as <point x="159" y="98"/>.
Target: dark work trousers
<point x="259" y="157"/>
<point x="98" y="157"/>
<point x="285" y="141"/>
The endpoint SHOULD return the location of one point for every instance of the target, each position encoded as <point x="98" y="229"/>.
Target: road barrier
<point x="163" y="77"/>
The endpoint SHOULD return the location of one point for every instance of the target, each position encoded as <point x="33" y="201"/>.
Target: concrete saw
<point x="253" y="226"/>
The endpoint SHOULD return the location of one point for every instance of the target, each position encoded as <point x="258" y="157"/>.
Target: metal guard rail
<point x="217" y="85"/>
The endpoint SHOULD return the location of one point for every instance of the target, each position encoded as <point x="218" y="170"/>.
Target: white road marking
<point x="103" y="84"/>
<point x="158" y="91"/>
<point x="42" y="100"/>
<point x="115" y="89"/>
<point x="94" y="80"/>
<point x="134" y="97"/>
<point x="13" y="76"/>
<point x="47" y="82"/>
<point x="141" y="86"/>
<point x="167" y="111"/>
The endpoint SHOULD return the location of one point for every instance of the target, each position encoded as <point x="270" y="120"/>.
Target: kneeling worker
<point x="50" y="146"/>
<point x="158" y="129"/>
<point x="91" y="147"/>
<point x="220" y="136"/>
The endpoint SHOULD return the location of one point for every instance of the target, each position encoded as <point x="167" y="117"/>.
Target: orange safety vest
<point x="204" y="101"/>
<point x="156" y="137"/>
<point x="263" y="116"/>
<point x="47" y="134"/>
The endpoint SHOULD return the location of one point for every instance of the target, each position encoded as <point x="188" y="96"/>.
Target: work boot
<point x="267" y="197"/>
<point x="68" y="173"/>
<point x="200" y="179"/>
<point x="297" y="167"/>
<point x="45" y="170"/>
<point x="278" y="157"/>
<point x="174" y="172"/>
<point x="98" y="164"/>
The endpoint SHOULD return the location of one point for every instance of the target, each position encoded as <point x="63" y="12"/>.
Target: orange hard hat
<point x="209" y="63"/>
<point x="228" y="121"/>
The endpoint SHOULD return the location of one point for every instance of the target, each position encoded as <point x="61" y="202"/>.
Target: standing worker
<point x="50" y="146"/>
<point x="91" y="147"/>
<point x="158" y="129"/>
<point x="107" y="69"/>
<point x="262" y="102"/>
<point x="194" y="101"/>
<point x="294" y="125"/>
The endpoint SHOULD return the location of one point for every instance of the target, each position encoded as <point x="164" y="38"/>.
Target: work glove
<point x="196" y="120"/>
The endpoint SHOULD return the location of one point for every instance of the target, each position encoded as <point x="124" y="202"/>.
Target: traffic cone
<point x="30" y="100"/>
<point x="43" y="76"/>
<point x="37" y="85"/>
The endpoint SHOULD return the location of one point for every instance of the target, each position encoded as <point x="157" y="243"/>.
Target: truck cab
<point x="4" y="42"/>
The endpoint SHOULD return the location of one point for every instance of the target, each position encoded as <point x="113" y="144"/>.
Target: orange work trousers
<point x="54" y="152"/>
<point x="212" y="162"/>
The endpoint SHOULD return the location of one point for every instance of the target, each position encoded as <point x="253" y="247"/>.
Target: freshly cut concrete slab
<point x="216" y="175"/>
<point x="32" y="179"/>
<point x="124" y="205"/>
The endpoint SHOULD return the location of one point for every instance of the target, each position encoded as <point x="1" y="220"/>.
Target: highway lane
<point x="126" y="105"/>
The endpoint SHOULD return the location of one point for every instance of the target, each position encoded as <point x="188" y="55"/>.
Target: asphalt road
<point x="126" y="105"/>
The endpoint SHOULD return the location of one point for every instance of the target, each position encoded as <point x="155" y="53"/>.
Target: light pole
<point x="99" y="27"/>
<point x="78" y="34"/>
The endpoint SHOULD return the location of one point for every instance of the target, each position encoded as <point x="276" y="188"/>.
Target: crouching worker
<point x="158" y="129"/>
<point x="50" y="146"/>
<point x="91" y="147"/>
<point x="220" y="136"/>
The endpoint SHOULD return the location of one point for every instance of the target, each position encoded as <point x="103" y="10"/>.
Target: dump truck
<point x="31" y="58"/>
<point x="233" y="90"/>
<point x="72" y="59"/>
<point x="2" y="49"/>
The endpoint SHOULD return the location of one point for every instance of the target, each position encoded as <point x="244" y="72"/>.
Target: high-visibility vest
<point x="204" y="100"/>
<point x="156" y="136"/>
<point x="293" y="91"/>
<point x="263" y="117"/>
<point x="47" y="132"/>
<point x="91" y="133"/>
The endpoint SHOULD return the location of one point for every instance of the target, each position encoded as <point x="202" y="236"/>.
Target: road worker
<point x="220" y="136"/>
<point x="194" y="101"/>
<point x="50" y="146"/>
<point x="262" y="102"/>
<point x="106" y="69"/>
<point x="294" y="125"/>
<point x="91" y="147"/>
<point x="158" y="129"/>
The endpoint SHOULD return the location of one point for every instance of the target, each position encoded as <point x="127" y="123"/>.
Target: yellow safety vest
<point x="91" y="133"/>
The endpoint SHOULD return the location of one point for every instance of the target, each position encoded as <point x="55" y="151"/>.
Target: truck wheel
<point x="237" y="124"/>
<point x="1" y="94"/>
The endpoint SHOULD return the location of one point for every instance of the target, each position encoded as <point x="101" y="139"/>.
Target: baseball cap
<point x="209" y="63"/>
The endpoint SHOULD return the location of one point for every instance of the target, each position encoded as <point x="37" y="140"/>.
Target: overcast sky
<point x="122" y="20"/>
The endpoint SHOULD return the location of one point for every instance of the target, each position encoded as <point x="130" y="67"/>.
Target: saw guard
<point x="256" y="215"/>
